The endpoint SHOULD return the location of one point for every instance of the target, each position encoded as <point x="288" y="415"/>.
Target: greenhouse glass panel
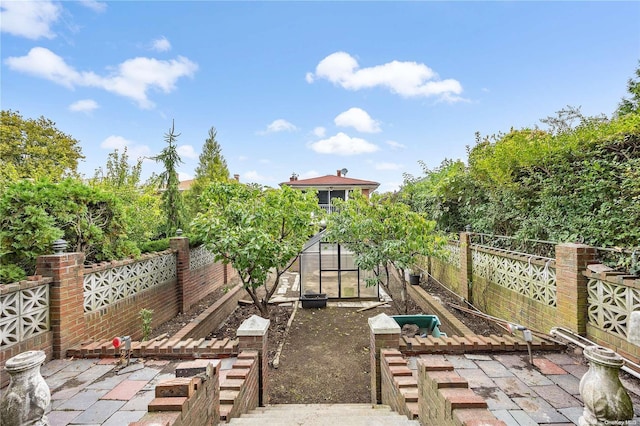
<point x="329" y="268"/>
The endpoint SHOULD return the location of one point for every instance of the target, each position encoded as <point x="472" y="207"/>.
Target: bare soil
<point x="325" y="355"/>
<point x="325" y="359"/>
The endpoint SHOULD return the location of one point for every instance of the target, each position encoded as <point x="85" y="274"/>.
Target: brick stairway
<point x="323" y="415"/>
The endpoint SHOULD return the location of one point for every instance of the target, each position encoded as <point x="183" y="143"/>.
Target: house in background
<point x="330" y="187"/>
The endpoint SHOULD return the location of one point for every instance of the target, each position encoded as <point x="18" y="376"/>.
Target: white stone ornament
<point x="27" y="396"/>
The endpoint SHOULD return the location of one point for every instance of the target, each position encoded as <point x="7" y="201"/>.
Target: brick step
<point x="329" y="421"/>
<point x="324" y="415"/>
<point x="459" y="344"/>
<point x="167" y="348"/>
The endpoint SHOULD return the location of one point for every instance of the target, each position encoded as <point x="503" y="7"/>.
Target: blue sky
<point x="310" y="87"/>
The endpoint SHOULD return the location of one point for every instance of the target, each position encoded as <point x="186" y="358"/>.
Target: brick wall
<point x="213" y="316"/>
<point x="186" y="400"/>
<point x="501" y="302"/>
<point x="618" y="285"/>
<point x="570" y="310"/>
<point x="66" y="300"/>
<point x="239" y="390"/>
<point x="193" y="285"/>
<point x="444" y="398"/>
<point x="399" y="387"/>
<point x="446" y="272"/>
<point x="40" y="342"/>
<point x="257" y="341"/>
<point x="381" y="336"/>
<point x="123" y="317"/>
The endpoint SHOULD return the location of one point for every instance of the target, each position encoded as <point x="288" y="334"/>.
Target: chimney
<point x="236" y="177"/>
<point x="339" y="173"/>
<point x="293" y="177"/>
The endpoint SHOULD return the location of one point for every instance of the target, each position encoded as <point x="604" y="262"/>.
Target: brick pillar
<point x="466" y="267"/>
<point x="66" y="299"/>
<point x="252" y="335"/>
<point x="385" y="333"/>
<point x="571" y="285"/>
<point x="186" y="294"/>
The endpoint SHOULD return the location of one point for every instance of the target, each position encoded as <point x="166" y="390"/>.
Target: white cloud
<point x="279" y="125"/>
<point x="96" y="6"/>
<point x="243" y="158"/>
<point x="264" y="161"/>
<point x="407" y="79"/>
<point x="253" y="176"/>
<point x="131" y="79"/>
<point x="184" y="176"/>
<point x="395" y="145"/>
<point x="84" y="105"/>
<point x="187" y="151"/>
<point x="134" y="151"/>
<point x="320" y="131"/>
<point x="359" y="119"/>
<point x="342" y="144"/>
<point x="388" y="166"/>
<point x="29" y="19"/>
<point x="115" y="142"/>
<point x="309" y="77"/>
<point x="161" y="44"/>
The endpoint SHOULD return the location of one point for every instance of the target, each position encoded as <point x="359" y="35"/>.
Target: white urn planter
<point x="606" y="401"/>
<point x="27" y="396"/>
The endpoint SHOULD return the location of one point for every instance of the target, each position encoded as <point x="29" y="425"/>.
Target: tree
<point x="212" y="167"/>
<point x="382" y="232"/>
<point x="143" y="213"/>
<point x="631" y="105"/>
<point x="35" y="149"/>
<point x="118" y="173"/>
<point x="445" y="194"/>
<point x="168" y="181"/>
<point x="257" y="231"/>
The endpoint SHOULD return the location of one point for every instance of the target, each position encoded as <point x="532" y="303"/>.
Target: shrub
<point x="34" y="214"/>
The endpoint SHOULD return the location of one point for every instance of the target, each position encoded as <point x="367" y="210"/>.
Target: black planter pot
<point x="414" y="279"/>
<point x="314" y="300"/>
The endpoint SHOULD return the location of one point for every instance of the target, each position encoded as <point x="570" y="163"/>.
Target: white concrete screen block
<point x="633" y="328"/>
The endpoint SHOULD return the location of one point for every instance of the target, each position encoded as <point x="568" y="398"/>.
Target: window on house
<point x="323" y="197"/>
<point x="337" y="194"/>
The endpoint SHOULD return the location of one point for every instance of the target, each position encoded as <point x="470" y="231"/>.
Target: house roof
<point x="332" y="180"/>
<point x="185" y="184"/>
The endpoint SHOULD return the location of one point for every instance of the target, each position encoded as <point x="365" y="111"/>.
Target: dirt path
<point x="325" y="358"/>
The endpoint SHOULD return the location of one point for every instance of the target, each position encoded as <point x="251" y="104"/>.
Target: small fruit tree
<point x="383" y="232"/>
<point x="257" y="231"/>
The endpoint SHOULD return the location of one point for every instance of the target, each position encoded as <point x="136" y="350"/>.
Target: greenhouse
<point x="329" y="268"/>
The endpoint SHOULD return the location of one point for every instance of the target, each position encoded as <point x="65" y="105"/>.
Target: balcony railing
<point x="328" y="208"/>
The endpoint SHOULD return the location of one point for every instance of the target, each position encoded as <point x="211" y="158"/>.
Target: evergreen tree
<point x="168" y="180"/>
<point x="212" y="167"/>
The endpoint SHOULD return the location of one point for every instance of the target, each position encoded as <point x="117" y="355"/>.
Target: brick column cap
<point x="59" y="255"/>
<point x="383" y="324"/>
<point x="574" y="245"/>
<point x="253" y="326"/>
